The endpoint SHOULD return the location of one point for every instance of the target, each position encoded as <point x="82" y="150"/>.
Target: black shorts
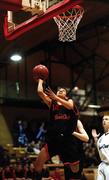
<point x="64" y="146"/>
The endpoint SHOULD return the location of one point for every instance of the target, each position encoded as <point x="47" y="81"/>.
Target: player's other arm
<point x="95" y="135"/>
<point x="81" y="133"/>
<point x="69" y="104"/>
<point x="42" y="94"/>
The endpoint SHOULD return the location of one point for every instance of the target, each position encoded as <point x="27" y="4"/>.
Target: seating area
<point x="18" y="172"/>
<point x="27" y="172"/>
<point x="18" y="164"/>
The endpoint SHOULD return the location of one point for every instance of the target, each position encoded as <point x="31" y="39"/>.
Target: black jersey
<point x="62" y="120"/>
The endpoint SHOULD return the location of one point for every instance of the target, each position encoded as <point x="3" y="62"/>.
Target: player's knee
<point x="73" y="173"/>
<point x="75" y="167"/>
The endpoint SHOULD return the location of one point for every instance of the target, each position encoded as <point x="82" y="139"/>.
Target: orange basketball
<point x="40" y="72"/>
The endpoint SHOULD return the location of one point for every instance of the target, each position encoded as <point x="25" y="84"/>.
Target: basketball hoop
<point x="67" y="23"/>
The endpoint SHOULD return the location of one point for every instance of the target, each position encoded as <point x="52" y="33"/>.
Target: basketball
<point x="40" y="72"/>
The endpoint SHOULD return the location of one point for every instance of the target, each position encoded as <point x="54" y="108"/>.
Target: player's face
<point x="61" y="93"/>
<point x="106" y="123"/>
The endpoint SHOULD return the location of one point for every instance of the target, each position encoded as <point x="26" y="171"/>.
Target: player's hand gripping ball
<point x="40" y="72"/>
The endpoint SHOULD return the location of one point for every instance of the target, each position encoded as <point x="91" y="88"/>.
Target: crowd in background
<point x="23" y="168"/>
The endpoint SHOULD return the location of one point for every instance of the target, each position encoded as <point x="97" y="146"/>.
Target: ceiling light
<point x="76" y="88"/>
<point x="16" y="57"/>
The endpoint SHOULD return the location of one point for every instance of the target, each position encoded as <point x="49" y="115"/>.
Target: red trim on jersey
<point x="74" y="179"/>
<point x="73" y="163"/>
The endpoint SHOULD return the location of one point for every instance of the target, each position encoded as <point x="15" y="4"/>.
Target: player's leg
<point x="40" y="161"/>
<point x="100" y="172"/>
<point x="72" y="160"/>
<point x="106" y="171"/>
<point x="73" y="170"/>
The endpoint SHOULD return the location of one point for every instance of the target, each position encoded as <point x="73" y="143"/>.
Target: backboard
<point x="31" y="14"/>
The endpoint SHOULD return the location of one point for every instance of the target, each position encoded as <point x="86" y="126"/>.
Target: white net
<point x="67" y="23"/>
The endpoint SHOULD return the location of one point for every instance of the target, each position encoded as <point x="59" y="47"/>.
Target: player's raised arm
<point x="42" y="94"/>
<point x="40" y="74"/>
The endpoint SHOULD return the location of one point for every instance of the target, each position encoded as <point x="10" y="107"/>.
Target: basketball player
<point x="61" y="125"/>
<point x="103" y="149"/>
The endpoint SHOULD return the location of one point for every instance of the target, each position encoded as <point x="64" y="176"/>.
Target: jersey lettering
<point x="62" y="117"/>
<point x="103" y="146"/>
